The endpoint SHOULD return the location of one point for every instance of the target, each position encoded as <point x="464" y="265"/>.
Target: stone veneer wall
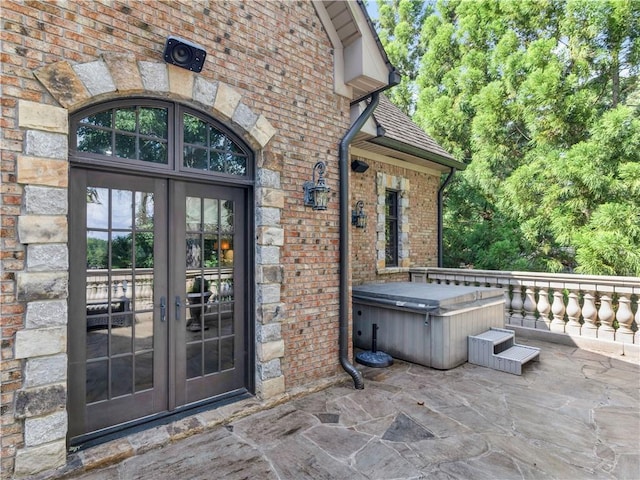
<point x="268" y="76"/>
<point x="418" y="240"/>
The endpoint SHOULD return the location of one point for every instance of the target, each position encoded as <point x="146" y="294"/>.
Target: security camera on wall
<point x="184" y="54"/>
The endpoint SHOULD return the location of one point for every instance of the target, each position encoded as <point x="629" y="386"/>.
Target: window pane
<point x="101" y="119"/>
<point x="126" y="119"/>
<point x="195" y="130"/>
<point x="151" y="151"/>
<point x="217" y="162"/>
<point x="236" y="165"/>
<point x="195" y="158"/>
<point x="391" y="228"/>
<point x="153" y="122"/>
<point x="125" y="146"/>
<point x="94" y="141"/>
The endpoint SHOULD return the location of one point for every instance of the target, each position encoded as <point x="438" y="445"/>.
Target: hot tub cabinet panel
<point x="422" y="323"/>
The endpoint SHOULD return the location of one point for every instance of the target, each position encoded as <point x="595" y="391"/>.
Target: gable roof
<point x="399" y="137"/>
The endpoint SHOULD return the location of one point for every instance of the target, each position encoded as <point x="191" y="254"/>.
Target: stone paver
<point x="572" y="415"/>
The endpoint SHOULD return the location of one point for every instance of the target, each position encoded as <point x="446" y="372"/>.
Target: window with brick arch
<point x="391" y="228"/>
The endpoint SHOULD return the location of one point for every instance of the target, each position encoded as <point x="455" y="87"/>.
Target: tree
<point x="539" y="98"/>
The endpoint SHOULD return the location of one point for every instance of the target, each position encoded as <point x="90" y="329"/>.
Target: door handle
<point x="178" y="307"/>
<point x="163" y="309"/>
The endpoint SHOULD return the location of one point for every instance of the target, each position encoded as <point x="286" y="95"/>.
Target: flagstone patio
<point x="574" y="414"/>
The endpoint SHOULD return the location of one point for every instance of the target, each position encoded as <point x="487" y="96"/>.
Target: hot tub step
<point x="512" y="359"/>
<point x="496" y="348"/>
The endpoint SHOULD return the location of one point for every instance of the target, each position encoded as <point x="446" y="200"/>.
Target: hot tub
<point x="427" y="324"/>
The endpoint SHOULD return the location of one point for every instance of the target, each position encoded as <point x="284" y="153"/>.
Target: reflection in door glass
<point x="209" y="285"/>
<point x="97" y="207"/>
<point x="119" y="293"/>
<point x="121" y="203"/>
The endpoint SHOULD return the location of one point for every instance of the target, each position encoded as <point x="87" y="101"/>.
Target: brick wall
<point x="277" y="57"/>
<point x="421" y="215"/>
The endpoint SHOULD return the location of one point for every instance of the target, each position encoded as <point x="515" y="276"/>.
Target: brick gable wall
<point x="277" y="57"/>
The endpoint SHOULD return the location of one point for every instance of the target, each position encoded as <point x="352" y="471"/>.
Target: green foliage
<point x="540" y="98"/>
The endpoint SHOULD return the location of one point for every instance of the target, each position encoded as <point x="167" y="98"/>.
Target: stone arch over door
<point x="43" y="171"/>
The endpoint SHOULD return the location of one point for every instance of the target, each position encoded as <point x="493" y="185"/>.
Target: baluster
<point x="529" y="319"/>
<point x="90" y="292"/>
<point x="557" y="309"/>
<point x="624" y="316"/>
<point x="544" y="307"/>
<point x="507" y="304"/>
<point x="573" y="326"/>
<point x="606" y="330"/>
<point x="103" y="291"/>
<point x="590" y="316"/>
<point x="516" y="306"/>
<point x="118" y="289"/>
<point x="636" y="337"/>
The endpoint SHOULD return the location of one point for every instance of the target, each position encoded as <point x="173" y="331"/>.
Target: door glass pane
<point x="194" y="360"/>
<point x="97" y="250"/>
<point x="119" y="292"/>
<point x="97" y="384"/>
<point x="144" y="371"/>
<point x="211" y="357"/>
<point x="97" y="207"/>
<point x="121" y="376"/>
<point x="209" y="284"/>
<point x="227" y="360"/>
<point x="226" y="216"/>
<point x="194" y="214"/>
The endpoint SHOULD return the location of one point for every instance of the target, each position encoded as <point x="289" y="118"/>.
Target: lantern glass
<point x="362" y="220"/>
<point x="320" y="197"/>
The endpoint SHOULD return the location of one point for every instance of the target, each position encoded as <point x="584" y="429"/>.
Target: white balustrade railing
<point x="121" y="284"/>
<point x="602" y="307"/>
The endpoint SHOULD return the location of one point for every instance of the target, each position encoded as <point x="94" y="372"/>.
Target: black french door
<point x="158" y="298"/>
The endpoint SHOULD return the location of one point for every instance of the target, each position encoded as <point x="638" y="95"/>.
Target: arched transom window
<point x="142" y="133"/>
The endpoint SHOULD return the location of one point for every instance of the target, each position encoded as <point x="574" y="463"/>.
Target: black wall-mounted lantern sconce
<point x="184" y="54"/>
<point x="316" y="194"/>
<point x="358" y="217"/>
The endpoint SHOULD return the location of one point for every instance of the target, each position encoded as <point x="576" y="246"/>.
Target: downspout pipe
<point x="345" y="223"/>
<point x="440" y="209"/>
